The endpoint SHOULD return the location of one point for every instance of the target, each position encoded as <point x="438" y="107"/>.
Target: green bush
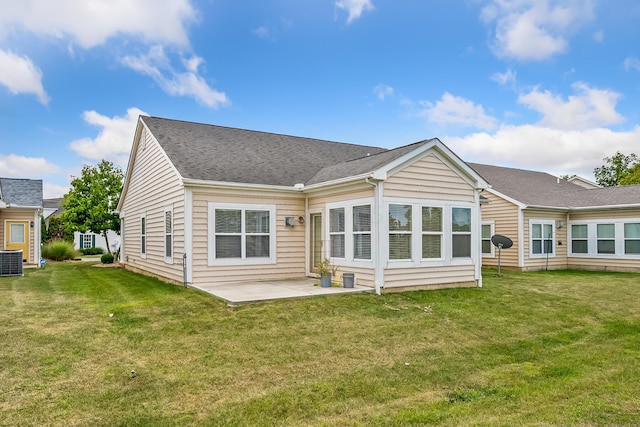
<point x="106" y="259"/>
<point x="92" y="251"/>
<point x="59" y="250"/>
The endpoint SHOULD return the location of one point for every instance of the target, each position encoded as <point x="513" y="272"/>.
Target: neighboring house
<point x="88" y="239"/>
<point x="556" y="224"/>
<point x="20" y="210"/>
<point x="242" y="205"/>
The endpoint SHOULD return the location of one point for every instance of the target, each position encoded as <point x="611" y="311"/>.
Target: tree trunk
<point x="106" y="240"/>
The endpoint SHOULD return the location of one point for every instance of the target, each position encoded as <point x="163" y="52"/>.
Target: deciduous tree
<point x="91" y="203"/>
<point x="615" y="167"/>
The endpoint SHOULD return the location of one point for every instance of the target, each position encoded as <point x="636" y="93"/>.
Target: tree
<point x="631" y="176"/>
<point x="91" y="203"/>
<point x="615" y="167"/>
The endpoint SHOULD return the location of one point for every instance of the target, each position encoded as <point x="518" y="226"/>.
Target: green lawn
<point x="547" y="348"/>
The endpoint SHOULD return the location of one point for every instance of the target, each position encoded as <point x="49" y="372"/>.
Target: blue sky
<point x="550" y="85"/>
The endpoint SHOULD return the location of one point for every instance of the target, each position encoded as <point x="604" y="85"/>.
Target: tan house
<point x="557" y="224"/>
<point x="20" y="211"/>
<point x="237" y="205"/>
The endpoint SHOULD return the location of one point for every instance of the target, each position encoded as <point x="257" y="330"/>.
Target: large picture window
<point x="336" y="232"/>
<point x="362" y="232"/>
<point x="431" y="232"/>
<point x="461" y="232"/>
<point x="400" y="230"/>
<point x="632" y="238"/>
<point x="241" y="233"/>
<point x="606" y="238"/>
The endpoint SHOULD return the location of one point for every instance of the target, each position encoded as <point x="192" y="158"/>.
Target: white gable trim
<point x="507" y="198"/>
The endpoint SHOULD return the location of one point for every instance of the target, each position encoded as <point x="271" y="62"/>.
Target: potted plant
<point x="324" y="272"/>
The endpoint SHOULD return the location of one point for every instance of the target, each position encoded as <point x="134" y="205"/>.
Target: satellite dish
<point x="501" y="242"/>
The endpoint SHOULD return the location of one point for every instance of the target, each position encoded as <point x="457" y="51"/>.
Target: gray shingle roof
<point x="542" y="189"/>
<point x="21" y="192"/>
<point x="217" y="153"/>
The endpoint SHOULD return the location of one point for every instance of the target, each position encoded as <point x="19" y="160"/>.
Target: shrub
<point x="106" y="259"/>
<point x="59" y="250"/>
<point x="92" y="251"/>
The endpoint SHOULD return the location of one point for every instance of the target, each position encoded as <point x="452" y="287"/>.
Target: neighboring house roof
<point x="540" y="189"/>
<point x="52" y="206"/>
<point x="583" y="182"/>
<point x="21" y="192"/>
<point x="223" y="154"/>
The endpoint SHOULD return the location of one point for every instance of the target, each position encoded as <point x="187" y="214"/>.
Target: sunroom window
<point x="362" y="232"/>
<point x="461" y="232"/>
<point x="579" y="239"/>
<point x="606" y="238"/>
<point x="400" y="229"/>
<point x="336" y="232"/>
<point x="431" y="232"/>
<point x="632" y="238"/>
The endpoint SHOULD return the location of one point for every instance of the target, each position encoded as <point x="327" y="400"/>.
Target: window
<point x="487" y="246"/>
<point x="542" y="238"/>
<point x="461" y="232"/>
<point x="336" y="232"/>
<point x="241" y="234"/>
<point x="362" y="232"/>
<point x="87" y="241"/>
<point x="431" y="232"/>
<point x="400" y="229"/>
<point x="168" y="233"/>
<point x="579" y="239"/>
<point x="17" y="233"/>
<point x="632" y="238"/>
<point x="143" y="236"/>
<point x="606" y="238"/>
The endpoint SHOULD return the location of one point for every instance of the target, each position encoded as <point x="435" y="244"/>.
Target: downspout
<point x="477" y="252"/>
<point x="378" y="278"/>
<point x="307" y="237"/>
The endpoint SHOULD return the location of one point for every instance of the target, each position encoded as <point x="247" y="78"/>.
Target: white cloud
<point x="50" y="191"/>
<point x="632" y="63"/>
<point x="382" y="91"/>
<point x="535" y="29"/>
<point x="20" y="75"/>
<point x="157" y="65"/>
<point x="455" y="110"/>
<point x="588" y="108"/>
<point x="599" y="36"/>
<point x="262" y="32"/>
<point x="551" y="150"/>
<point x="354" y="8"/>
<point x="91" y="23"/>
<point x="113" y="143"/>
<point x="508" y="77"/>
<point x="15" y="166"/>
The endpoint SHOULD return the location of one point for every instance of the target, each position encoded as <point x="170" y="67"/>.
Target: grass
<point x="545" y="348"/>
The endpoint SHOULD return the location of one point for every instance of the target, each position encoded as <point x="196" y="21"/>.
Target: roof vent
<point x="299" y="186"/>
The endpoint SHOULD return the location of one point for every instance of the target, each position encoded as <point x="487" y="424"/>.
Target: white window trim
<point x="592" y="245"/>
<point x="492" y="226"/>
<point x="349" y="260"/>
<point x="143" y="247"/>
<point x="441" y="233"/>
<point x="168" y="259"/>
<point x="412" y="233"/>
<point x="447" y="243"/>
<point x="462" y="233"/>
<point x="213" y="261"/>
<point x="369" y="233"/>
<point x="342" y="233"/>
<point x="542" y="222"/>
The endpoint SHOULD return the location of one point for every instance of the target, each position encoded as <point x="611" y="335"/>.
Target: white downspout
<point x="307" y="237"/>
<point x="378" y="278"/>
<point x="477" y="244"/>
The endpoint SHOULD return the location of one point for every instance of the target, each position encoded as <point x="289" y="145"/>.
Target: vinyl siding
<point x="557" y="262"/>
<point x="430" y="276"/>
<point x="290" y="241"/>
<point x="429" y="178"/>
<point x="153" y="185"/>
<point x="505" y="216"/>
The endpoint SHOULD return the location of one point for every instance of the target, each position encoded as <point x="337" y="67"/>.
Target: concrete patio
<point x="239" y="293"/>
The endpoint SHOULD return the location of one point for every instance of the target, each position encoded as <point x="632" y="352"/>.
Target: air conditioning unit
<point x="11" y="263"/>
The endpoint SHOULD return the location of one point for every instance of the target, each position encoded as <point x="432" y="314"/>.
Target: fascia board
<point x="507" y="198"/>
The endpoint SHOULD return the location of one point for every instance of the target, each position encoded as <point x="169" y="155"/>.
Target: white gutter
<point x="378" y="278"/>
<point x="477" y="252"/>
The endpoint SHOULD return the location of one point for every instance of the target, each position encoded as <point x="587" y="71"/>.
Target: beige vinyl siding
<point x="153" y="185"/>
<point x="429" y="178"/>
<point x="604" y="214"/>
<point x="557" y="262"/>
<point x="505" y="216"/>
<point x="17" y="214"/>
<point x="604" y="264"/>
<point x="290" y="241"/>
<point x="430" y="277"/>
